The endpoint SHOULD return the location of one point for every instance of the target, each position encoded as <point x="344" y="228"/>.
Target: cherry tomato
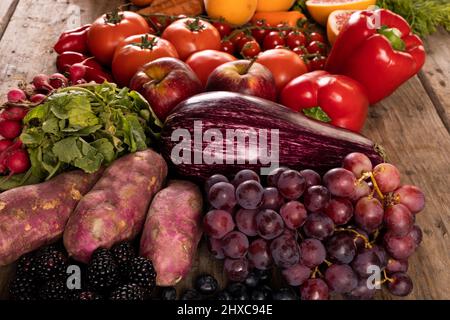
<point x="315" y="36"/>
<point x="237" y="36"/>
<point x="110" y="29"/>
<point x="295" y="39"/>
<point x="273" y="39"/>
<point x="280" y="47"/>
<point x="300" y="51"/>
<point x="250" y="49"/>
<point x="260" y="32"/>
<point x="284" y="64"/>
<point x="192" y="35"/>
<point x="285" y="28"/>
<point x="227" y="46"/>
<point x="317" y="63"/>
<point x="244" y="40"/>
<point x="317" y="47"/>
<point x="223" y="28"/>
<point x="135" y="51"/>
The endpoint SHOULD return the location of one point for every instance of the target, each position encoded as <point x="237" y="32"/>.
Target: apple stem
<point x="252" y="62"/>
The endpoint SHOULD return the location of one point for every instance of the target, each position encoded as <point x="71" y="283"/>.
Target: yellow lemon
<point x="235" y="12"/>
<point x="274" y="5"/>
<point x="321" y="9"/>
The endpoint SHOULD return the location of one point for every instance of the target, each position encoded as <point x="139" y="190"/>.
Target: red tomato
<point x="244" y="40"/>
<point x="295" y="39"/>
<point x="300" y="51"/>
<point x="317" y="47"/>
<point x="343" y="102"/>
<point x="110" y="29"/>
<point x="284" y="64"/>
<point x="227" y="46"/>
<point x="192" y="35"/>
<point x="250" y="49"/>
<point x="204" y="62"/>
<point x="317" y="63"/>
<point x="135" y="51"/>
<point x="315" y="36"/>
<point x="223" y="28"/>
<point x="285" y="28"/>
<point x="261" y="31"/>
<point x="237" y="36"/>
<point x="273" y="39"/>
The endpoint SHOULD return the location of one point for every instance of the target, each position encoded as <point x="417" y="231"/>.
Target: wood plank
<point x="416" y="141"/>
<point x="435" y="75"/>
<point x="27" y="43"/>
<point x="7" y="8"/>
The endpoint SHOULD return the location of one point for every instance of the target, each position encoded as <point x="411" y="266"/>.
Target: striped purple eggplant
<point x="223" y="132"/>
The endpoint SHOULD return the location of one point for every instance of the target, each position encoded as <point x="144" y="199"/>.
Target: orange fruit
<point x="274" y="5"/>
<point x="321" y="9"/>
<point x="235" y="12"/>
<point x="336" y="21"/>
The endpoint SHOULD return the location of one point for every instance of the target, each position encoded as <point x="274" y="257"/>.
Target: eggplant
<point x="302" y="143"/>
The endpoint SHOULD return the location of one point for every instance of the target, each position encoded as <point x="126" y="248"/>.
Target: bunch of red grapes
<point x="325" y="234"/>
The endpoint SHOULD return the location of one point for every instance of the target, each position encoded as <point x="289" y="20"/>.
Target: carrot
<point x="276" y="17"/>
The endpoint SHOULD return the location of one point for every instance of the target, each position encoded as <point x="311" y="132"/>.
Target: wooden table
<point x="413" y="124"/>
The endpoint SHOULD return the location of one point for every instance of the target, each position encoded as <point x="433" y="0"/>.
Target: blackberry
<point x="102" y="271"/>
<point x="169" y="293"/>
<point x="128" y="292"/>
<point x="51" y="263"/>
<point x="142" y="273"/>
<point x="88" y="296"/>
<point x="55" y="290"/>
<point x="123" y="253"/>
<point x="23" y="287"/>
<point x="26" y="266"/>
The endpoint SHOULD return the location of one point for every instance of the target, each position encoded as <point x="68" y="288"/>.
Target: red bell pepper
<point x="336" y="99"/>
<point x="378" y="49"/>
<point x="73" y="40"/>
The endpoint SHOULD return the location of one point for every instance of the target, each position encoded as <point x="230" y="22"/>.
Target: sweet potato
<point x="172" y="231"/>
<point x="115" y="209"/>
<point x="33" y="216"/>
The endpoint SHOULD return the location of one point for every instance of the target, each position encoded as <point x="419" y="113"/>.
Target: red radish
<point x="38" y="98"/>
<point x="10" y="129"/>
<point x="57" y="80"/>
<point x="18" y="161"/>
<point x="77" y="72"/>
<point x="41" y="83"/>
<point x="14" y="113"/>
<point x="16" y="95"/>
<point x="4" y="144"/>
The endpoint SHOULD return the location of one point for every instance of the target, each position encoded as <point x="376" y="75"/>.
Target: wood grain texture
<point x="435" y="75"/>
<point x="7" y="8"/>
<point x="410" y="125"/>
<point x="416" y="141"/>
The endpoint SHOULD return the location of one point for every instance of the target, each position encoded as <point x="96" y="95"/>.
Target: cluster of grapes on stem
<point x="325" y="234"/>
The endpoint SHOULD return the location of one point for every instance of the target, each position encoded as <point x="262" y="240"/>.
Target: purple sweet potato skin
<point x="115" y="209"/>
<point x="35" y="215"/>
<point x="172" y="231"/>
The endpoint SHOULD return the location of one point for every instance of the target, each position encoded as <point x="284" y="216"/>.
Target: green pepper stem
<point x="394" y="36"/>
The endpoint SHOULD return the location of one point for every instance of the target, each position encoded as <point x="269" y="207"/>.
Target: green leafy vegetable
<point x="86" y="127"/>
<point x="424" y="16"/>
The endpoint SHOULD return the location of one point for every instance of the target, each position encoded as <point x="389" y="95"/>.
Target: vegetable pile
<point x="75" y="152"/>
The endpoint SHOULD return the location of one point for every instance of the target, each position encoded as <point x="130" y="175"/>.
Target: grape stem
<point x="315" y="272"/>
<point x="367" y="243"/>
<point x="386" y="278"/>
<point x="370" y="175"/>
<point x="328" y="263"/>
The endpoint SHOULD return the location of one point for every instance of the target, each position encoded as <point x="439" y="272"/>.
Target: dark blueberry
<point x="191" y="294"/>
<point x="224" y="295"/>
<point x="206" y="284"/>
<point x="169" y="293"/>
<point x="261" y="293"/>
<point x="285" y="294"/>
<point x="252" y="280"/>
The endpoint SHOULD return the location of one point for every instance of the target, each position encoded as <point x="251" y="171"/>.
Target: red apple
<point x="165" y="82"/>
<point x="243" y="76"/>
